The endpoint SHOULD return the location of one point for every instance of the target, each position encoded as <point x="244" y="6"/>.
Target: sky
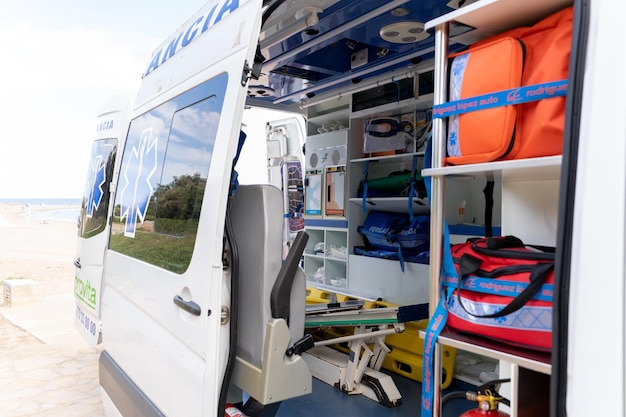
<point x="60" y="61"/>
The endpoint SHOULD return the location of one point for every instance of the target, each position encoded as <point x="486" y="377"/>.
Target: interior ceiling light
<point x="400" y="12"/>
<point x="260" y="91"/>
<point x="404" y="32"/>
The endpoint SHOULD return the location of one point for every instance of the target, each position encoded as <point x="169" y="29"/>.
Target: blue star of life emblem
<point x="135" y="195"/>
<point x="97" y="178"/>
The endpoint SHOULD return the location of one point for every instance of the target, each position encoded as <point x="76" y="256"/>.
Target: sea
<point x="58" y="210"/>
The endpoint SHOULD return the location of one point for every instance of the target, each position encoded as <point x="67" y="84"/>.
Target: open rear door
<point x="166" y="293"/>
<point x="96" y="208"/>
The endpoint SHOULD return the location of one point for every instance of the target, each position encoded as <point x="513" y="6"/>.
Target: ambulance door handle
<point x="189" y="306"/>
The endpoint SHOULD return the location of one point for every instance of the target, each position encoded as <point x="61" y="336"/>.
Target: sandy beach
<point x="37" y="249"/>
<point x="46" y="369"/>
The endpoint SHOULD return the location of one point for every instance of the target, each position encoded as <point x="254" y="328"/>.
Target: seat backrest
<point x="257" y="220"/>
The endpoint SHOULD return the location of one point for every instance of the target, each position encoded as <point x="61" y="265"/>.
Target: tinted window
<point x="95" y="204"/>
<point x="163" y="178"/>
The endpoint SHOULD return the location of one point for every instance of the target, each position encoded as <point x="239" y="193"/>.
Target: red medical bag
<point x="504" y="291"/>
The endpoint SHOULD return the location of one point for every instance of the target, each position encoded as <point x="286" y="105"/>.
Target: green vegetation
<point x="173" y="254"/>
<point x="178" y="199"/>
<point x="168" y="234"/>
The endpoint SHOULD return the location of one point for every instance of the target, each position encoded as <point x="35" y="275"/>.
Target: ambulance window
<point x="95" y="204"/>
<point x="163" y="177"/>
<point x="183" y="180"/>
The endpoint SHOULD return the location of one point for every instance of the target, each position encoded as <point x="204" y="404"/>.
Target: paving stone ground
<point x="41" y="379"/>
<point x="46" y="368"/>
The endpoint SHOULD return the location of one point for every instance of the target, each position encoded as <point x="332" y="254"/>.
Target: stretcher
<point x="358" y="372"/>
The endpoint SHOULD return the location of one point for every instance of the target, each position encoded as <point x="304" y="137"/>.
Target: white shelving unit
<point x="375" y="277"/>
<point x="395" y="108"/>
<point x="382" y="166"/>
<point x="328" y="128"/>
<point x="529" y="197"/>
<point x="383" y="278"/>
<point x="329" y="119"/>
<point x="324" y="250"/>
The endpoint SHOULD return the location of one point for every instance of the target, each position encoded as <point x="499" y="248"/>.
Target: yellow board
<point x="407" y="348"/>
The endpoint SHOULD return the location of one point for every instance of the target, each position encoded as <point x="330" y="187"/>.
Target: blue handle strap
<point x="435" y="325"/>
<point x="509" y="97"/>
<point x="438" y="321"/>
<point x="412" y="186"/>
<point x="401" y="258"/>
<point x="500" y="287"/>
<point x="365" y="172"/>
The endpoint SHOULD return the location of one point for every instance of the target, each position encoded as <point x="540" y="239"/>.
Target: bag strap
<point x="401" y="258"/>
<point x="505" y="288"/>
<point x="412" y="186"/>
<point x="470" y="264"/>
<point x="366" y="167"/>
<point x="504" y="242"/>
<point x="499" y="248"/>
<point x="518" y="95"/>
<point x="389" y="237"/>
<point x="438" y="321"/>
<point x="488" y="191"/>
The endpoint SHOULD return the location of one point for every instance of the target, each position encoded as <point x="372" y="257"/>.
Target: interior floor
<point x="329" y="401"/>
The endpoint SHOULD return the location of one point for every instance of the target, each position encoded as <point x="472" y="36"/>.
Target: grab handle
<point x="189" y="306"/>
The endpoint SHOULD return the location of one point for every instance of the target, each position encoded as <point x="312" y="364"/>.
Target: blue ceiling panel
<point x="324" y="53"/>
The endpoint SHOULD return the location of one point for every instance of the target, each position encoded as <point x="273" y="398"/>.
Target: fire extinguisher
<point x="232" y="411"/>
<point x="487" y="398"/>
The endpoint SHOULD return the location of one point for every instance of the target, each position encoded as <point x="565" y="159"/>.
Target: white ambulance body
<point x="191" y="315"/>
<point x="93" y="221"/>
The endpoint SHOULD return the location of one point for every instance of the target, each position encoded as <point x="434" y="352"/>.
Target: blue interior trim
<point x="326" y="223"/>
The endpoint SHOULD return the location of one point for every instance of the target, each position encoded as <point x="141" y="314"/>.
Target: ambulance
<point x="93" y="220"/>
<point x="207" y="296"/>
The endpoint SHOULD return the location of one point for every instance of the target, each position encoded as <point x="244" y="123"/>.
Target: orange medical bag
<point x="507" y="94"/>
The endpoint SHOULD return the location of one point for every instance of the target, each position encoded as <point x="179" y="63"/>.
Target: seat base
<point x="282" y="377"/>
<point x="332" y="367"/>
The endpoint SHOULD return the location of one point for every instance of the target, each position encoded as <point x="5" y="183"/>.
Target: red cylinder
<point x="477" y="412"/>
<point x="232" y="411"/>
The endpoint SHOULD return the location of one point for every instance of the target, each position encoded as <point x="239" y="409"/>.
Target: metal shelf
<point x="490" y="17"/>
<point x="394" y="204"/>
<point x="528" y="359"/>
<point x="401" y="157"/>
<point x="543" y="168"/>
<point x="335" y="259"/>
<point x="418" y="103"/>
